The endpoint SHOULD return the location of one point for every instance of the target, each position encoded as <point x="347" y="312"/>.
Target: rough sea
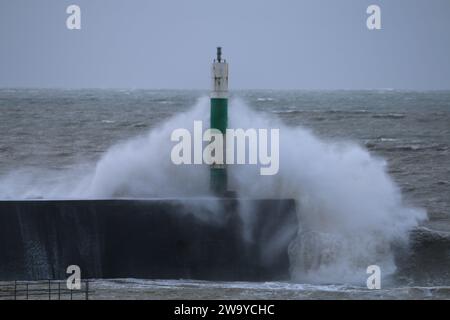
<point x="56" y="143"/>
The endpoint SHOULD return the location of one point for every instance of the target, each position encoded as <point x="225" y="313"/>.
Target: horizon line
<point x="231" y="90"/>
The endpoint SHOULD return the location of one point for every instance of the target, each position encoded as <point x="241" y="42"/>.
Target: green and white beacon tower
<point x="219" y="120"/>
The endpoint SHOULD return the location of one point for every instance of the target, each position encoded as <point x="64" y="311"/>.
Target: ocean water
<point x="370" y="170"/>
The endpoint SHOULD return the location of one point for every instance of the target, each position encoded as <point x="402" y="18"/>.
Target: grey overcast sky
<point x="270" y="44"/>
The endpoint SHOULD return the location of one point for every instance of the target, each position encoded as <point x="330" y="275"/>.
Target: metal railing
<point x="43" y="290"/>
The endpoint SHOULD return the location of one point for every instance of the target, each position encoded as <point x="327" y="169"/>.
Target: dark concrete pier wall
<point x="208" y="239"/>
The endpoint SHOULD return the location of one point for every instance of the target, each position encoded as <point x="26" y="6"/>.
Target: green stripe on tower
<point x="219" y="114"/>
<point x="219" y="120"/>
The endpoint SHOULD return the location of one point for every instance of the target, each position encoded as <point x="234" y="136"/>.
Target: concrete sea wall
<point x="209" y="239"/>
